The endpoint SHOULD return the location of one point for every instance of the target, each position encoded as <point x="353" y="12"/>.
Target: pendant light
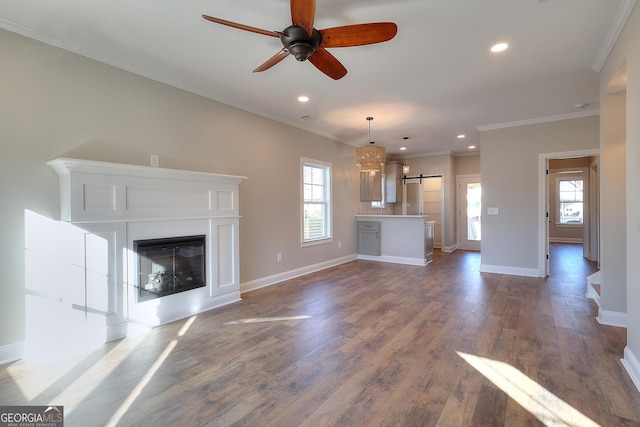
<point x="370" y="158"/>
<point x="405" y="166"/>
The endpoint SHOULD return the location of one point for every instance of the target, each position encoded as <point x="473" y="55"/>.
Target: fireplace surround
<point x="170" y="265"/>
<point x="134" y="210"/>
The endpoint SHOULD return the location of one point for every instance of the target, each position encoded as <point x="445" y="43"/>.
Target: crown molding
<point x="614" y="32"/>
<point x="539" y="120"/>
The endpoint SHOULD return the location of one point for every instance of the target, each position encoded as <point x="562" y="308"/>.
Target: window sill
<point x="316" y="242"/>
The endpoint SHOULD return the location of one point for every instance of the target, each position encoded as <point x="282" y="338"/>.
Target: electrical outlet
<point x="155" y="160"/>
<point x="279" y="256"/>
<point x="339" y="245"/>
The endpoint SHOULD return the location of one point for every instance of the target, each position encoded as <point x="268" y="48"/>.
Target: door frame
<point x="461" y="205"/>
<point x="543" y="224"/>
<point x="443" y="219"/>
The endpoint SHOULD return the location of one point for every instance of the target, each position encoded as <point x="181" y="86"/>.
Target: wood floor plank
<point x="360" y="344"/>
<point x="490" y="409"/>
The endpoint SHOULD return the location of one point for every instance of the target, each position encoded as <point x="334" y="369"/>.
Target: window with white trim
<point x="570" y="191"/>
<point x="316" y="202"/>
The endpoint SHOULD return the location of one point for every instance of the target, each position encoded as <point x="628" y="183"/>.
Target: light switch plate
<point x="492" y="211"/>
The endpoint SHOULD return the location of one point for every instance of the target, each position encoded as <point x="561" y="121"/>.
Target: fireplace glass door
<point x="170" y="265"/>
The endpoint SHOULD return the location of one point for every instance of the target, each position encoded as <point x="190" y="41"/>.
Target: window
<point x="570" y="200"/>
<point x="316" y="202"/>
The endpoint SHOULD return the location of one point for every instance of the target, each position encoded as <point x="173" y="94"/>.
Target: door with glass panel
<point x="469" y="212"/>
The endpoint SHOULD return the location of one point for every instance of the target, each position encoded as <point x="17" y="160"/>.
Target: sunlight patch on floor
<point x="52" y="372"/>
<point x="544" y="405"/>
<point x="266" y="319"/>
<point x="126" y="405"/>
<point x="186" y="326"/>
<point x="137" y="390"/>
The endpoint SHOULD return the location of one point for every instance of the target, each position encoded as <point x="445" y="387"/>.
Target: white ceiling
<point x="436" y="79"/>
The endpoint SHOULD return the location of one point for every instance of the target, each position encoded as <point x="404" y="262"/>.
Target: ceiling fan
<point x="305" y="42"/>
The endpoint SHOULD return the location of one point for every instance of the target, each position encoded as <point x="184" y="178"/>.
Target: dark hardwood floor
<point x="363" y="343"/>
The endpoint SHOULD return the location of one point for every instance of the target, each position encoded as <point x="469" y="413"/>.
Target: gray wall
<point x="626" y="54"/>
<point x="55" y="103"/>
<point x="613" y="260"/>
<point x="510" y="173"/>
<point x="467" y="165"/>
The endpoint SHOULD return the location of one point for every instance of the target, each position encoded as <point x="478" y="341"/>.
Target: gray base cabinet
<point x="369" y="237"/>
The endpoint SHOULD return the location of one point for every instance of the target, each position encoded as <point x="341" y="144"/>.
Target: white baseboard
<point x="594" y="279"/>
<point x="612" y="318"/>
<point x="11" y="353"/>
<point x="577" y="240"/>
<point x="393" y="259"/>
<point x="513" y="271"/>
<point x="292" y="274"/>
<point x="632" y="365"/>
<point x="449" y="248"/>
<point x="592" y="294"/>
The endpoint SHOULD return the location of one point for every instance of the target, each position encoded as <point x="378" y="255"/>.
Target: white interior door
<point x="433" y="206"/>
<point x="412" y="198"/>
<point x="469" y="212"/>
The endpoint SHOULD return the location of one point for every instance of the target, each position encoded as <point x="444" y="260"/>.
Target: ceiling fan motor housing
<point x="298" y="42"/>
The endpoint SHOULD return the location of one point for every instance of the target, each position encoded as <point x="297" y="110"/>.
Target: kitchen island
<point x="401" y="239"/>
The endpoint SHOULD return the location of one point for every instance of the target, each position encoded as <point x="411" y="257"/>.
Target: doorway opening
<point x="424" y="195"/>
<point x="469" y="208"/>
<point x="559" y="172"/>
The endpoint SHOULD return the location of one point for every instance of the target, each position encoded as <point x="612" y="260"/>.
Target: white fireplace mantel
<point x="109" y="206"/>
<point x="100" y="191"/>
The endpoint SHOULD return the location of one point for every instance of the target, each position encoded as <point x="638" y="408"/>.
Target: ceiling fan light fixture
<point x="370" y="158"/>
<point x="302" y="40"/>
<point x="300" y="50"/>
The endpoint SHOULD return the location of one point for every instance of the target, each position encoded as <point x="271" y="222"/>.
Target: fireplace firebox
<point x="169" y="265"/>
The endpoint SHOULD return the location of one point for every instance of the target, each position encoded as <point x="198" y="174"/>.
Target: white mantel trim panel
<point x="99" y="191"/>
<point x="120" y="204"/>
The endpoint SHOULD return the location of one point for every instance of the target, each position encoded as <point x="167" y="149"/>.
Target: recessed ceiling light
<point x="499" y="47"/>
<point x="461" y="136"/>
<point x="303" y="98"/>
<point x="403" y="148"/>
<point x="471" y="147"/>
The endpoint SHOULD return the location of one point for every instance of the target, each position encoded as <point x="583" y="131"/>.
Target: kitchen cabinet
<point x="402" y="238"/>
<point x="369" y="237"/>
<point x="370" y="186"/>
<point x="393" y="182"/>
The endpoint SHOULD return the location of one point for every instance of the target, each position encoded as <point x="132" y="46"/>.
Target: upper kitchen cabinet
<point x="370" y="186"/>
<point x="379" y="186"/>
<point x="393" y="182"/>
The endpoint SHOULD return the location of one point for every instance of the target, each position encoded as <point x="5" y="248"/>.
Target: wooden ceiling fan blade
<point x="358" y="34"/>
<point x="328" y="64"/>
<point x="303" y="13"/>
<point x="272" y="61"/>
<point x="243" y="27"/>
